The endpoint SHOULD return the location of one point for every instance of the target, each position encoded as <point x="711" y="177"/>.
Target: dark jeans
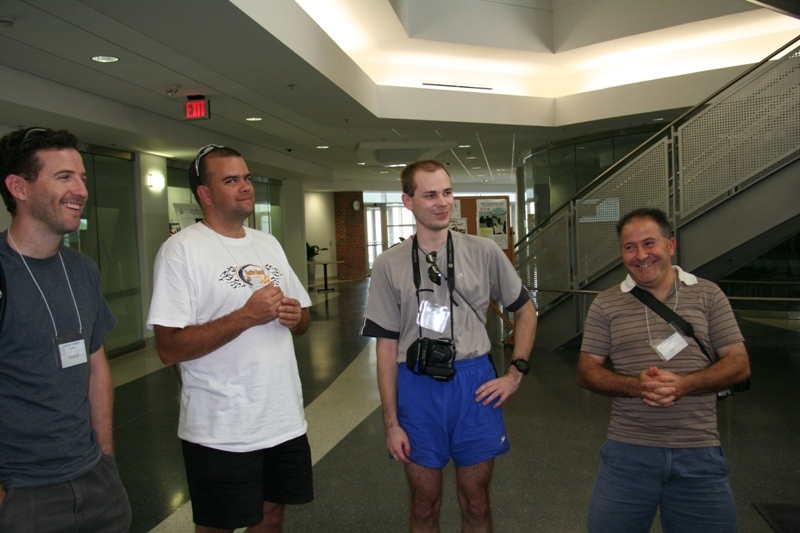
<point x="95" y="502"/>
<point x="690" y="485"/>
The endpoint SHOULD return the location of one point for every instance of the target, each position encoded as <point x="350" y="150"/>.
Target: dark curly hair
<point x="18" y="155"/>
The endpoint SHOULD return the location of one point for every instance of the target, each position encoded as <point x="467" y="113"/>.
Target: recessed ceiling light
<point x="254" y="119"/>
<point x="105" y="59"/>
<point x="322" y="147"/>
<point x="659" y="119"/>
<point x="463" y="146"/>
<point x="476" y="168"/>
<point x="361" y="163"/>
<point x="384" y="171"/>
<point x="472" y="157"/>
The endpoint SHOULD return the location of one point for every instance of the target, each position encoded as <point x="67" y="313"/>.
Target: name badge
<point x="670" y="347"/>
<point x="432" y="316"/>
<point x="71" y="350"/>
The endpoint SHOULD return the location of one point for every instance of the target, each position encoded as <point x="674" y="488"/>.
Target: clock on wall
<point x="356" y="205"/>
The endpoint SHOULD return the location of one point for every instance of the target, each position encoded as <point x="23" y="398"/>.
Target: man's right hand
<point x="658" y="388"/>
<point x="263" y="305"/>
<point x="397" y="444"/>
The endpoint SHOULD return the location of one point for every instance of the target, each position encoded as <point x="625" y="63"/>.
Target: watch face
<point x="522" y="365"/>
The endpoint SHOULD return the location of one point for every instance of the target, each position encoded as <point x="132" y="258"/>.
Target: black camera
<point x="435" y="358"/>
<point x="738" y="387"/>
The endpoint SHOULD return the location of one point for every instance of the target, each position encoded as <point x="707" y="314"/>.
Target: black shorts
<point x="228" y="489"/>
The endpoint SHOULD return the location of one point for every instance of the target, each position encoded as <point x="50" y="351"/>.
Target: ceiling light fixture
<point x="463" y="146"/>
<point x="322" y="147"/>
<point x="254" y="119"/>
<point x="361" y="163"/>
<point x="7" y="21"/>
<point x="105" y="59"/>
<point x="453" y="86"/>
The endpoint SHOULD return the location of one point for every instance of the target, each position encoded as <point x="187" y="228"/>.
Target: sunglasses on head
<point x="201" y="154"/>
<point x="26" y="136"/>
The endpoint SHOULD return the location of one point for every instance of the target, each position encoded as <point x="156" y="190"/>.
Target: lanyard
<point x="80" y="324"/>
<point x="451" y="277"/>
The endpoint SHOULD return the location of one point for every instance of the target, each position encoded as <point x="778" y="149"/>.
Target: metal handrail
<point x="619" y="164"/>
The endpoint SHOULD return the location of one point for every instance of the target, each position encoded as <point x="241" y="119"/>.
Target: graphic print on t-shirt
<point x="251" y="276"/>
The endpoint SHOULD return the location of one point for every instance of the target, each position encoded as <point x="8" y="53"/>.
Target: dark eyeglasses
<point x="201" y="154"/>
<point x="434" y="274"/>
<point x="26" y="136"/>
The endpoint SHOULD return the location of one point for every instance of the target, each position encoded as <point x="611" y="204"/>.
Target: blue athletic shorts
<point x="443" y="420"/>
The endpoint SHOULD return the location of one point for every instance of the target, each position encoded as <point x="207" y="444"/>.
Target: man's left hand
<point x="497" y="391"/>
<point x="290" y="312"/>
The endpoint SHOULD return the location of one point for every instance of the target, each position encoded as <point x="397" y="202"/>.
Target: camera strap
<point x="451" y="276"/>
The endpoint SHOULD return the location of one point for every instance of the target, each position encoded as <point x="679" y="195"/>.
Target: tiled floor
<point x="555" y="429"/>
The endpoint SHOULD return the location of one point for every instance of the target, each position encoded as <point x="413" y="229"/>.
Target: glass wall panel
<point x="552" y="176"/>
<point x="109" y="238"/>
<point x="262" y="212"/>
<point x="591" y="160"/>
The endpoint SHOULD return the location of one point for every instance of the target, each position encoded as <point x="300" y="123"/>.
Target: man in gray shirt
<point x="440" y="394"/>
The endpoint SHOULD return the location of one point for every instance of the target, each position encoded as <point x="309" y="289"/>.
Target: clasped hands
<point x="659" y="388"/>
<point x="269" y="303"/>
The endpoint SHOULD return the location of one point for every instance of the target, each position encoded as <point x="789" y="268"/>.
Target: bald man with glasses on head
<point x="226" y="306"/>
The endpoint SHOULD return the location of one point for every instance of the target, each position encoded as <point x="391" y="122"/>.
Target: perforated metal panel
<point x="744" y="136"/>
<point x="644" y="182"/>
<point x="545" y="262"/>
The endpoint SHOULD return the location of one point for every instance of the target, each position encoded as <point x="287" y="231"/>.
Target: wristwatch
<point x="521" y="365"/>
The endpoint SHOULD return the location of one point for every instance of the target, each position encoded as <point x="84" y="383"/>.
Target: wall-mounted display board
<point x="485" y="216"/>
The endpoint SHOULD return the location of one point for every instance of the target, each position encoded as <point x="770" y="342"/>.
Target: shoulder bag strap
<point x="669" y="315"/>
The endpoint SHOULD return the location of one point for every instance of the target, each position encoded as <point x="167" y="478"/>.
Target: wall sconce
<point x="155" y="180"/>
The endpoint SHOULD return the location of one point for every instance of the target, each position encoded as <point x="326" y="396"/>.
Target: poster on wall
<point x="493" y="221"/>
<point x="456" y="209"/>
<point x="459" y="225"/>
<point x="188" y="214"/>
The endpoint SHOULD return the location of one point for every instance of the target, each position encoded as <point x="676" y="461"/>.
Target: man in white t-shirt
<point x="226" y="305"/>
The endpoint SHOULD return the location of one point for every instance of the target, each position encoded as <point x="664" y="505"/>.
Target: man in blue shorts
<point x="439" y="390"/>
<point x="226" y="306"/>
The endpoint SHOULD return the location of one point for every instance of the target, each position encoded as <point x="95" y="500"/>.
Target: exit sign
<point x="198" y="109"/>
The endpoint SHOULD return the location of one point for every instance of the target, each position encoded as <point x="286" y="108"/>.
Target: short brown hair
<point x="407" y="176"/>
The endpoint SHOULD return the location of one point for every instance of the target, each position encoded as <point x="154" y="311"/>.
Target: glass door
<point x="387" y="225"/>
<point x="376" y="234"/>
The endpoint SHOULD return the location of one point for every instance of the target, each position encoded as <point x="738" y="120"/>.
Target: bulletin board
<point x="486" y="216"/>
